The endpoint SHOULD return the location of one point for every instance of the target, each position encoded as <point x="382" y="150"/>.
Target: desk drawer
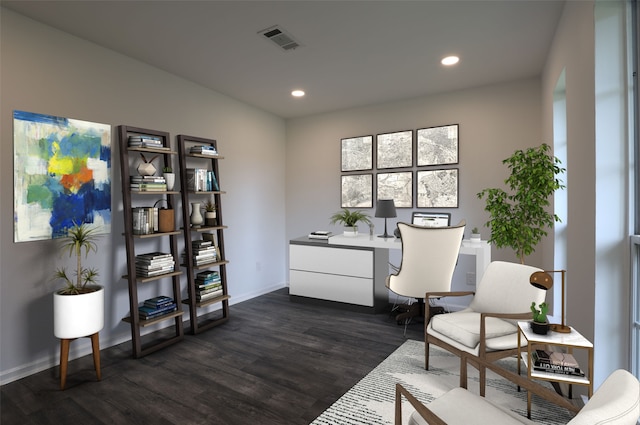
<point x="339" y="261"/>
<point x="352" y="290"/>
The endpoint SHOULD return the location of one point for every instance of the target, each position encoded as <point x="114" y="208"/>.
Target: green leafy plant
<point x="209" y="206"/>
<point x="167" y="170"/>
<point x="518" y="219"/>
<point x="539" y="315"/>
<point x="475" y="231"/>
<point x="349" y="218"/>
<point x="80" y="238"/>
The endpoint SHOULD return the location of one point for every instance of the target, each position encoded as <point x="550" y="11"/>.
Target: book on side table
<point x="555" y="362"/>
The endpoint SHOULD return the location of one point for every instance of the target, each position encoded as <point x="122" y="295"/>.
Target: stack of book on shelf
<point x="204" y="252"/>
<point x="157" y="306"/>
<point x="208" y="285"/>
<point x="147" y="141"/>
<point x="148" y="183"/>
<point x="145" y="220"/>
<point x="204" y="150"/>
<point x="154" y="264"/>
<point x="320" y="234"/>
<point x="555" y="362"/>
<point x="201" y="180"/>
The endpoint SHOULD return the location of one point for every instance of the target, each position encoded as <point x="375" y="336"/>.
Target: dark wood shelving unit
<point x="129" y="198"/>
<point x="203" y="322"/>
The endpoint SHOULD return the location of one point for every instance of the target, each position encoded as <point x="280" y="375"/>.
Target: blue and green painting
<point x="62" y="175"/>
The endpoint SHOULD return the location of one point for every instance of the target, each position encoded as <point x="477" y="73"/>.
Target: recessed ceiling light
<point x="297" y="93"/>
<point x="450" y="60"/>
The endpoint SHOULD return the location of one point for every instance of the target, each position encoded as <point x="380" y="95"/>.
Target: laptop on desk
<point x="431" y="219"/>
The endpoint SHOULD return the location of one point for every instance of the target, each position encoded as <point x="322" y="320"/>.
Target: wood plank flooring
<point x="274" y="362"/>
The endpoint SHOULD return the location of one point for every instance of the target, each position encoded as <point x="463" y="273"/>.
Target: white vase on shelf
<point x="196" y="216"/>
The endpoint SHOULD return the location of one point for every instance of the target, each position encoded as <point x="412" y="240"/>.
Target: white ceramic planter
<point x="75" y="316"/>
<point x="170" y="179"/>
<point x="350" y="231"/>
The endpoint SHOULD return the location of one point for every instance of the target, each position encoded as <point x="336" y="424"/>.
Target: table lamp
<point x="543" y="280"/>
<point x="387" y="209"/>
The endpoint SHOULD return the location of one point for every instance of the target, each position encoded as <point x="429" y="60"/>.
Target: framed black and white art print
<point x="437" y="188"/>
<point x="357" y="153"/>
<point x="396" y="186"/>
<point x="395" y="150"/>
<point x="357" y="191"/>
<point x="437" y="145"/>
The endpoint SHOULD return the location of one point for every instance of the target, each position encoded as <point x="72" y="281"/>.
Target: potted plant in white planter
<point x="350" y="219"/>
<point x="475" y="235"/>
<point x="169" y="177"/>
<point x="78" y="308"/>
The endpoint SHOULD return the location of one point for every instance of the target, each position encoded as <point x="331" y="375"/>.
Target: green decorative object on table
<point x="540" y="324"/>
<point x="350" y="219"/>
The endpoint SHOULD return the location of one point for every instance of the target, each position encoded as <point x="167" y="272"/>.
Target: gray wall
<point x="494" y="122"/>
<point x="50" y="72"/>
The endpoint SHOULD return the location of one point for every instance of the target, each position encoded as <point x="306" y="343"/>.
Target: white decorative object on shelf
<point x="196" y="216"/>
<point x="170" y="178"/>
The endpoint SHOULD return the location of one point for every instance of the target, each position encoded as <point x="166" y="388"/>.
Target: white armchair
<point x="616" y="402"/>
<point x="487" y="329"/>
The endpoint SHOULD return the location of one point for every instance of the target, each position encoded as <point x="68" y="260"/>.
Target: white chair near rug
<point x="486" y="331"/>
<point x="616" y="402"/>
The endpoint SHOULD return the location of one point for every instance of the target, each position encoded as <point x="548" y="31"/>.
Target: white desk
<point x="481" y="250"/>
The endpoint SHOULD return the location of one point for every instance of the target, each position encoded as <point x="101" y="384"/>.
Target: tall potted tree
<point x="519" y="219"/>
<point x="78" y="308"/>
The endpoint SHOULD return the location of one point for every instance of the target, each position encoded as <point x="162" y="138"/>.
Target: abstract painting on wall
<point x="62" y="175"/>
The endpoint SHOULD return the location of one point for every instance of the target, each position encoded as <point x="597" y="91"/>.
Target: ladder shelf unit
<point x="193" y="191"/>
<point x="142" y="243"/>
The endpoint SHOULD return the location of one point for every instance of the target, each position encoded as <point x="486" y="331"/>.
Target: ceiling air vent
<point x="280" y="37"/>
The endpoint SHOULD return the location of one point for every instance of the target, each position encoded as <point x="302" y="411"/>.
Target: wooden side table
<point x="570" y="341"/>
<point x="64" y="357"/>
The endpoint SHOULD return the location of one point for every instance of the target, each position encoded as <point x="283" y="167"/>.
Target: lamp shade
<point x="385" y="208"/>
<point x="541" y="280"/>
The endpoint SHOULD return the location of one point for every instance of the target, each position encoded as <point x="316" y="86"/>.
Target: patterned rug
<point x="371" y="401"/>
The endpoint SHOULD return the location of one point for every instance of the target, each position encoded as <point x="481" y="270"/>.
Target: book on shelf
<point x="320" y="234"/>
<point x="148" y="267"/>
<point x="159" y="301"/>
<point x="154" y="255"/>
<point x="145" y="220"/>
<point x="146" y="312"/>
<point x="556" y="362"/>
<point x="209" y="295"/>
<point x="154" y="273"/>
<point x="204" y="150"/>
<point x="197" y="179"/>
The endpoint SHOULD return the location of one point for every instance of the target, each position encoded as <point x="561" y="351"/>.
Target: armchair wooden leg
<point x="426" y="355"/>
<point x="463" y="372"/>
<point x="483" y="376"/>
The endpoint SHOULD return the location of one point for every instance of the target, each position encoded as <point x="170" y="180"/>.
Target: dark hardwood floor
<point x="274" y="362"/>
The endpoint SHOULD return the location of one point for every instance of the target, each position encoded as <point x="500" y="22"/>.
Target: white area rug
<point x="371" y="401"/>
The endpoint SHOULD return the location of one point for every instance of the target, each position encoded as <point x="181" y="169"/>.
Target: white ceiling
<point x="353" y="53"/>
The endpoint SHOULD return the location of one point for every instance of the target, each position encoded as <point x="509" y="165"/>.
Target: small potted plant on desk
<point x="539" y="325"/>
<point x="350" y="219"/>
<point x="475" y="235"/>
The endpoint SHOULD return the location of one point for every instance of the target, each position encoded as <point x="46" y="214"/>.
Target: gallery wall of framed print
<point x="396" y="186"/>
<point x="357" y="153"/>
<point x="437" y="145"/>
<point x="357" y="191"/>
<point x="437" y="188"/>
<point x="62" y="175"/>
<point x="394" y="150"/>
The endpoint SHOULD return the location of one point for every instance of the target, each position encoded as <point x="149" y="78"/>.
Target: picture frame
<point x="437" y="145"/>
<point x="437" y="188"/>
<point x="356" y="191"/>
<point x="397" y="186"/>
<point x="356" y="153"/>
<point x="394" y="150"/>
